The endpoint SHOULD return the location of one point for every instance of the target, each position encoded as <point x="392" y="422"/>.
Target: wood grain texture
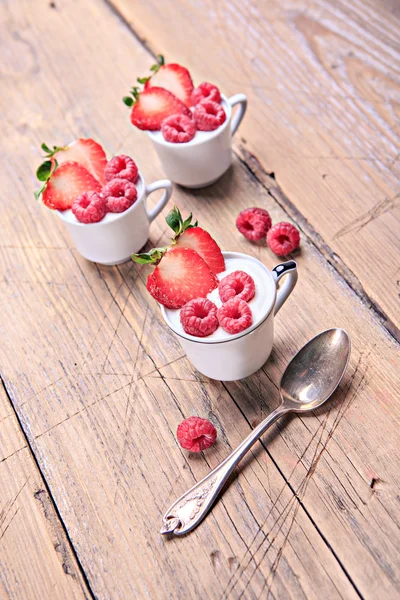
<point x="100" y="385"/>
<point x="36" y="560"/>
<point x="323" y="81"/>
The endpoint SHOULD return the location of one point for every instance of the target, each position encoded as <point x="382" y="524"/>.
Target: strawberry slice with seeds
<point x="201" y="241"/>
<point x="66" y="183"/>
<point x="180" y="276"/>
<point x="87" y="153"/>
<point x="174" y="78"/>
<point x="153" y="105"/>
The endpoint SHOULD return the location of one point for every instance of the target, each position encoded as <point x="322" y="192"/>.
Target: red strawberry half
<point x="174" y="78"/>
<point x="180" y="276"/>
<point x="153" y="105"/>
<point x="200" y="240"/>
<point x="66" y="183"/>
<point x="87" y="153"/>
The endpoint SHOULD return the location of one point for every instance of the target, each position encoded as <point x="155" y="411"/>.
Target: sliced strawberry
<point x="200" y="240"/>
<point x="174" y="78"/>
<point x="153" y="106"/>
<point x="66" y="183"/>
<point x="180" y="276"/>
<point x="87" y="153"/>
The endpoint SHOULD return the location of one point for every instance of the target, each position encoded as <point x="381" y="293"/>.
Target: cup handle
<point x="241" y="100"/>
<point x="287" y="268"/>
<point x="162" y="184"/>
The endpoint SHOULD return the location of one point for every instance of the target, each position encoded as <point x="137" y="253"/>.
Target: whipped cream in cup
<point x="226" y="357"/>
<point x="208" y="155"/>
<point x="117" y="236"/>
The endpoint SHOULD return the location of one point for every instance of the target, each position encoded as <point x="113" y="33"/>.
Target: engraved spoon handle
<point x="187" y="512"/>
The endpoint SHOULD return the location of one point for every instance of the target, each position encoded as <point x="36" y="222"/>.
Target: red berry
<point x="174" y="78"/>
<point x="178" y="129"/>
<point x="120" y="194"/>
<point x="206" y="91"/>
<point x="237" y="284"/>
<point x="153" y="106"/>
<point x="208" y="115"/>
<point x="88" y="153"/>
<point x="121" y="166"/>
<point x="253" y="223"/>
<point x="201" y="241"/>
<point x="235" y="315"/>
<point x="283" y="238"/>
<point x="66" y="183"/>
<point x="199" y="317"/>
<point x="90" y="207"/>
<point x="196" y="434"/>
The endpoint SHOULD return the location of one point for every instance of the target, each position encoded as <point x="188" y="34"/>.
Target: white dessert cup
<point x="239" y="355"/>
<point x="207" y="156"/>
<point x="112" y="240"/>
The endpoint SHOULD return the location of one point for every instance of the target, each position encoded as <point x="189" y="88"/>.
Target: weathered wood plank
<point x="323" y="82"/>
<point x="36" y="559"/>
<point x="100" y="385"/>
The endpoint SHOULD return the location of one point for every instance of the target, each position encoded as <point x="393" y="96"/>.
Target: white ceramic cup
<point x="207" y="156"/>
<point x="112" y="240"/>
<point x="240" y="355"/>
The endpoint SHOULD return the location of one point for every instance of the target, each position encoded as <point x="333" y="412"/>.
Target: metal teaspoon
<point x="309" y="380"/>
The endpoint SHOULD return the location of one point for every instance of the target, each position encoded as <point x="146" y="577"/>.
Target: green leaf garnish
<point x="128" y="101"/>
<point x="45" y="148"/>
<point x="40" y="191"/>
<point x="177" y="224"/>
<point x="44" y="171"/>
<point x="143" y="80"/>
<point x="150" y="258"/>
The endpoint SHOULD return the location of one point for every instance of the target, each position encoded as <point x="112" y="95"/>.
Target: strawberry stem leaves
<point x="152" y="257"/>
<point x="134" y="95"/>
<point x="177" y="224"/>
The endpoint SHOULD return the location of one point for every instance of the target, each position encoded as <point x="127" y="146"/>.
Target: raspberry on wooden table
<point x="121" y="166"/>
<point x="120" y="194"/>
<point x="208" y="115"/>
<point x="253" y="223"/>
<point x="178" y="129"/>
<point x="237" y="284"/>
<point x="235" y="315"/>
<point x="205" y="91"/>
<point x="283" y="238"/>
<point x="89" y="207"/>
<point x="199" y="317"/>
<point x="196" y="434"/>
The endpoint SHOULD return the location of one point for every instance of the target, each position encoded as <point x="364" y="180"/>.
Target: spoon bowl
<point x="315" y="371"/>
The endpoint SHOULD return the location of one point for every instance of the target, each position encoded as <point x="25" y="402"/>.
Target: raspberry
<point x="120" y="194"/>
<point x="178" y="129"/>
<point x="237" y="284"/>
<point x="199" y="317"/>
<point x="205" y="91"/>
<point x="253" y="223"/>
<point x="283" y="238"/>
<point x="121" y="166"/>
<point x="89" y="207"/>
<point x="208" y="115"/>
<point x="235" y="315"/>
<point x="196" y="434"/>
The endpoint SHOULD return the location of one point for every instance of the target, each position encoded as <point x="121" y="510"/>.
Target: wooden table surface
<point x="93" y="383"/>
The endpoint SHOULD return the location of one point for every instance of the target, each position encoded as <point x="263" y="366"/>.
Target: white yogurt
<point x="261" y="304"/>
<point x="200" y="136"/>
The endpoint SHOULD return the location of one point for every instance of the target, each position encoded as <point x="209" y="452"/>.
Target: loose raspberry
<point x="235" y="315"/>
<point x="283" y="238"/>
<point x="120" y="194"/>
<point x="89" y="207"/>
<point x="237" y="284"/>
<point x="196" y="434"/>
<point x="254" y="223"/>
<point x="208" y="115"/>
<point x="205" y="91"/>
<point x="178" y="129"/>
<point x="121" y="166"/>
<point x="199" y="317"/>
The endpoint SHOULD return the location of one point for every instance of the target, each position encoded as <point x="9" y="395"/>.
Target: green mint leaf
<point x="44" y="171"/>
<point x="128" y="101"/>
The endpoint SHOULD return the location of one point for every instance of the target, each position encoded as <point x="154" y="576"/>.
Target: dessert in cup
<point x="101" y="203"/>
<point x="191" y="128"/>
<point x="220" y="305"/>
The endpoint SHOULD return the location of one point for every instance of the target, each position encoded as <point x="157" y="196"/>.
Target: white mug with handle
<point x="115" y="238"/>
<point x="208" y="155"/>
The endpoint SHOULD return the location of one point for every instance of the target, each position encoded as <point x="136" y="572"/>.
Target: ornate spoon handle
<point x="187" y="512"/>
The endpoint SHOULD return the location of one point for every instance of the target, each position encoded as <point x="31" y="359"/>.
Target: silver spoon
<point x="309" y="380"/>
